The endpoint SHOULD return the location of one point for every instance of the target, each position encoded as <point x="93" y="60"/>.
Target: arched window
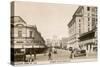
<point x="19" y="25"/>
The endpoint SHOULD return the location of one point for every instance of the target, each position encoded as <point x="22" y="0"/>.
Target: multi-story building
<point x="88" y="29"/>
<point x="65" y="43"/>
<point x="48" y="42"/>
<point x="25" y="40"/>
<point x="82" y="28"/>
<point x="73" y="26"/>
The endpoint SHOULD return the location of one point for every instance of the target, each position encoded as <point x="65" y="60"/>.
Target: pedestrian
<point x="72" y="54"/>
<point x="30" y="58"/>
<point x="34" y="55"/>
<point x="49" y="55"/>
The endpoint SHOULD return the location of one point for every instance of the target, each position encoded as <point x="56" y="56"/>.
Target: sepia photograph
<point x="49" y="33"/>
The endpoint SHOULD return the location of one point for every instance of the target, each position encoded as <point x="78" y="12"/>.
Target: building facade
<point x="88" y="28"/>
<point x="82" y="28"/>
<point x="65" y="42"/>
<point x="73" y="26"/>
<point x="25" y="40"/>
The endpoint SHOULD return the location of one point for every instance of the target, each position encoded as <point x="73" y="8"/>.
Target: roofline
<point x="20" y="18"/>
<point x="70" y="22"/>
<point x="74" y="14"/>
<point x="80" y="7"/>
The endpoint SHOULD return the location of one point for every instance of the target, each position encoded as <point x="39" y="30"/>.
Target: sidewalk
<point x="84" y="60"/>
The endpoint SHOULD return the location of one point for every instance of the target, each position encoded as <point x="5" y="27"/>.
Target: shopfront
<point x="19" y="55"/>
<point x="88" y="41"/>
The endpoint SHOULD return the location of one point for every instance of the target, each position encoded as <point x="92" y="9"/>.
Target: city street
<point x="64" y="56"/>
<point x="61" y="57"/>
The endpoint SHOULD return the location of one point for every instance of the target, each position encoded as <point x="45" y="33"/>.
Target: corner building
<point x="83" y="28"/>
<point x="25" y="40"/>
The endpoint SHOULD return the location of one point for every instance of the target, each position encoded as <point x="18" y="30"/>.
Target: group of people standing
<point x="31" y="57"/>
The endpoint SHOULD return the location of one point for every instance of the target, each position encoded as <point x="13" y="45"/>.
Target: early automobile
<point x="78" y="53"/>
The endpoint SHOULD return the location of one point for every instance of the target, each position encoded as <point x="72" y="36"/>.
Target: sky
<point x="51" y="19"/>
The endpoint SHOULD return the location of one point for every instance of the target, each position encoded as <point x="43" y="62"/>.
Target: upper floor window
<point x="94" y="9"/>
<point x="88" y="29"/>
<point x="88" y="14"/>
<point x="88" y="8"/>
<point x="79" y="20"/>
<point x="19" y="33"/>
<point x="93" y="21"/>
<point x="19" y="42"/>
<point x="88" y="24"/>
<point x="88" y="19"/>
<point x="30" y="34"/>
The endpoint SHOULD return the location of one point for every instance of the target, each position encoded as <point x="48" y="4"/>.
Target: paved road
<point x="63" y="56"/>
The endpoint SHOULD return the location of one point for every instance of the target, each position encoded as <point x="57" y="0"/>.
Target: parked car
<point x="78" y="53"/>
